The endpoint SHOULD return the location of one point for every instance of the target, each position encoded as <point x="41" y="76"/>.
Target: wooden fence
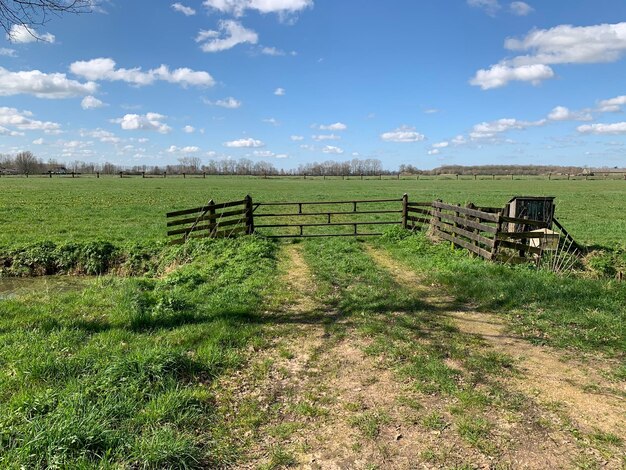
<point x="212" y="220"/>
<point x="485" y="231"/>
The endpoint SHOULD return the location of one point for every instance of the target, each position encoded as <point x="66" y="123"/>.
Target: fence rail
<point x="484" y="231"/>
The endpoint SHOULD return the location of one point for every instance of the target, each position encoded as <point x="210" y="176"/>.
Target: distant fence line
<point x="384" y="176"/>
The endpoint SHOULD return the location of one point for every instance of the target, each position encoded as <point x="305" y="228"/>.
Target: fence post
<point x="143" y="174"/>
<point x="405" y="209"/>
<point x="49" y="174"/>
<point x="496" y="242"/>
<point x="212" y="221"/>
<point x="249" y="216"/>
<point x="97" y="174"/>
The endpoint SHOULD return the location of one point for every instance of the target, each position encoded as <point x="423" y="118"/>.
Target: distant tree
<point x="37" y="12"/>
<point x="26" y="162"/>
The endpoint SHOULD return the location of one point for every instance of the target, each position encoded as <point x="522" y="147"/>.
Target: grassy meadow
<point x="161" y="362"/>
<point x="132" y="210"/>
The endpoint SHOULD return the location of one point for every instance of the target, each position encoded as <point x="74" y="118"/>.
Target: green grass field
<point x="184" y="360"/>
<point x="132" y="209"/>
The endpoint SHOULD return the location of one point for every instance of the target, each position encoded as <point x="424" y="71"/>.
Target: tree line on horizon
<point x="28" y="163"/>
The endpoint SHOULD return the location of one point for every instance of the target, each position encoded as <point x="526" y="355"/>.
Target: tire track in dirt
<point x="328" y="371"/>
<point x="547" y="376"/>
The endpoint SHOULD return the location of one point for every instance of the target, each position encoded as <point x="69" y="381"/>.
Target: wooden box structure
<point x="540" y="209"/>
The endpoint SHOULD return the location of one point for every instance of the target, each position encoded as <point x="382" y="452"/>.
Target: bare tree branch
<point x="38" y="12"/>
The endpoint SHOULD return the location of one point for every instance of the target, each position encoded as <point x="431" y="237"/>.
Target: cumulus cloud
<point x="563" y="44"/>
<point x="189" y="129"/>
<point x="230" y="33"/>
<point x="105" y="69"/>
<point x="490" y="130"/>
<point x="146" y="122"/>
<point x="279" y="92"/>
<point x="16" y="121"/>
<point x="102" y="136"/>
<point x="441" y="145"/>
<point x="9" y="132"/>
<point x="338" y="126"/>
<point x="321" y="137"/>
<point x="244" y="143"/>
<point x="39" y="141"/>
<point x="272" y="51"/>
<point x="23" y="34"/>
<point x="6" y="52"/>
<point x="561" y="113"/>
<point x="188" y="149"/>
<point x="332" y="150"/>
<point x="500" y="75"/>
<point x="403" y="134"/>
<point x="489" y="6"/>
<point x="612" y="105"/>
<point x="617" y="128"/>
<point x="91" y="102"/>
<point x="239" y="7"/>
<point x="229" y="103"/>
<point x="296" y="138"/>
<point x="263" y="153"/>
<point x="521" y="8"/>
<point x="434" y="152"/>
<point x="42" y="85"/>
<point x="185" y="10"/>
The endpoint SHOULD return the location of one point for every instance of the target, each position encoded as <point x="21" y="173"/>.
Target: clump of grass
<point x="370" y="422"/>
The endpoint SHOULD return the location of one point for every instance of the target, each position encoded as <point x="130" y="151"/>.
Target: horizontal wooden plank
<point x="418" y="219"/>
<point x="460" y="231"/>
<point x="419" y="204"/>
<point x="192" y="220"/>
<point x="298" y="214"/>
<point x="466" y="222"/>
<point x="317" y="235"/>
<point x="466" y="211"/>
<point x="520" y="247"/>
<point x="222" y="234"/>
<point x="199" y="228"/>
<point x="195" y="210"/>
<point x="522" y="235"/>
<point x="462" y="243"/>
<point x="534" y="223"/>
<point x="358" y="201"/>
<point x="419" y="211"/>
<point x="390" y="222"/>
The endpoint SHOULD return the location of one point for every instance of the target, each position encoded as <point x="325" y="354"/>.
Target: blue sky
<point x="426" y="83"/>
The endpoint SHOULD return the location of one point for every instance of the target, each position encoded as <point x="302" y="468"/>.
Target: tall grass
<point x="119" y="374"/>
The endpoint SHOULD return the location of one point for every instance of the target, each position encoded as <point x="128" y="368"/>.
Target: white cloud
<point x="229" y="103"/>
<point x="563" y="44"/>
<point x="561" y="113"/>
<point x="10" y="133"/>
<point x="189" y="129"/>
<point x="263" y="153"/>
<point x="102" y="136"/>
<point x="603" y="129"/>
<point x="403" y="134"/>
<point x="612" y="105"/>
<point x="39" y="141"/>
<point x="431" y="111"/>
<point x="338" y="126"/>
<point x="147" y="122"/>
<point x="332" y="149"/>
<point x="23" y="121"/>
<point x="279" y="92"/>
<point x="489" y="6"/>
<point x="459" y="140"/>
<point x="441" y="145"/>
<point x="500" y="75"/>
<point x="238" y="7"/>
<point x="434" y="152"/>
<point x="105" y="69"/>
<point x="490" y="130"/>
<point x="91" y="102"/>
<point x="230" y="33"/>
<point x="23" y="34"/>
<point x="297" y="138"/>
<point x="321" y="137"/>
<point x="244" y="143"/>
<point x="271" y="121"/>
<point x="282" y="155"/>
<point x="521" y="8"/>
<point x="272" y="51"/>
<point x="42" y="85"/>
<point x="185" y="10"/>
<point x="189" y="149"/>
<point x="6" y="52"/>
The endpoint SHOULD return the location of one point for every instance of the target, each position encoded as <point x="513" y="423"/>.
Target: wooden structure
<point x="520" y="232"/>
